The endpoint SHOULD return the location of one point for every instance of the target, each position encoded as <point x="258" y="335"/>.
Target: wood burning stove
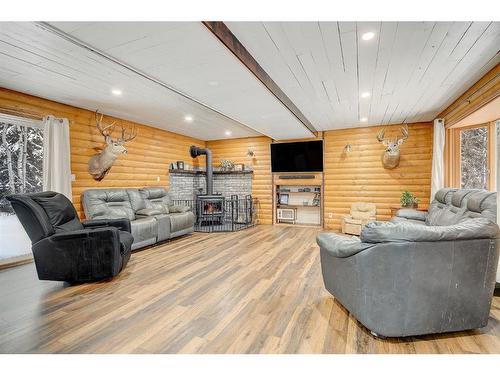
<point x="210" y="209"/>
<point x="209" y="206"/>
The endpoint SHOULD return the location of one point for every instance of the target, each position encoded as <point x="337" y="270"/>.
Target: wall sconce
<point x="347" y="149"/>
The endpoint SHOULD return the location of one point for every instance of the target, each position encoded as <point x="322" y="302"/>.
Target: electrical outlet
<point x="330" y="215"/>
<point x="157" y="178"/>
<point x="73" y="177"/>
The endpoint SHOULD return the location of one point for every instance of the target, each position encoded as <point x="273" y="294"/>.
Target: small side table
<point x="396" y="209"/>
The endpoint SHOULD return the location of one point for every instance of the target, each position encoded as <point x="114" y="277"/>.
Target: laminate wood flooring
<point x="255" y="291"/>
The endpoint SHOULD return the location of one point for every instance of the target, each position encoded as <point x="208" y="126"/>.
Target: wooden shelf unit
<point x="315" y="181"/>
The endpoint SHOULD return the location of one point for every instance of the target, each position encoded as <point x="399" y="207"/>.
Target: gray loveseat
<point x="152" y="214"/>
<point x="421" y="273"/>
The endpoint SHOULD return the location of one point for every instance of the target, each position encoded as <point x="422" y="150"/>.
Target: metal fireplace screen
<point x="219" y="214"/>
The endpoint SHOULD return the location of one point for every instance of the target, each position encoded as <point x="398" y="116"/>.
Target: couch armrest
<point x="341" y="246"/>
<point x="378" y="231"/>
<point x="178" y="209"/>
<point x="411" y="214"/>
<point x="80" y="255"/>
<point x="149" y="212"/>
<point x="122" y="224"/>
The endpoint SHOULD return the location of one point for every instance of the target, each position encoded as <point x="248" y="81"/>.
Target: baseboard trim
<point x="16" y="261"/>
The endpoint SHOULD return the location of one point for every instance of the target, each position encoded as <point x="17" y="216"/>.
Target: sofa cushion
<point x="452" y="212"/>
<point x="60" y="211"/>
<point x="482" y="204"/>
<point x="444" y="195"/>
<point x="137" y="202"/>
<point x="107" y="204"/>
<point x="157" y="198"/>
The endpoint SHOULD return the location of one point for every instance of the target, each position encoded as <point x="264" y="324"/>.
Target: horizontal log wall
<point x="236" y="151"/>
<point x="478" y="95"/>
<point x="360" y="177"/>
<point x="148" y="157"/>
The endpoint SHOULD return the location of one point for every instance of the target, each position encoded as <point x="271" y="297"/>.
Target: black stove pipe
<point x="197" y="151"/>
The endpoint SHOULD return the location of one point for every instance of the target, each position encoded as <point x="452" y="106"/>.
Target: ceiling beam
<point x="222" y="32"/>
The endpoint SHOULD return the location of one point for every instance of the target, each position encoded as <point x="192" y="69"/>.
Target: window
<point x="21" y="164"/>
<point x="474" y="168"/>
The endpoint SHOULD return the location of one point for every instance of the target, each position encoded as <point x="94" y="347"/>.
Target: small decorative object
<point x="239" y="167"/>
<point x="408" y="200"/>
<point x="347" y="149"/>
<point x="390" y="157"/>
<point x="250" y="153"/>
<point x="283" y="198"/>
<point x="226" y="165"/>
<point x="180" y="165"/>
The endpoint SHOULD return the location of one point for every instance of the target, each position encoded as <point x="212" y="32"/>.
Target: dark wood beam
<point x="222" y="32"/>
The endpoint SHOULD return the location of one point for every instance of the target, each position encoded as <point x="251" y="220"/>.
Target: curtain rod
<point x="10" y="111"/>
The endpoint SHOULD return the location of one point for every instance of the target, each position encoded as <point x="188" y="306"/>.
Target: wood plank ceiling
<point x="410" y="71"/>
<point x="184" y="56"/>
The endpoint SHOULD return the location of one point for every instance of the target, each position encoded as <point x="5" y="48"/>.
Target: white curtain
<point x="497" y="157"/>
<point x="437" y="181"/>
<point x="56" y="156"/>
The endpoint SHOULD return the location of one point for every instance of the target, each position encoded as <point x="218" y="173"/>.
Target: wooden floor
<point x="255" y="291"/>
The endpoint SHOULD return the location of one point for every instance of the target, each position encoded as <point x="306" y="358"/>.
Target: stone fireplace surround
<point x="186" y="184"/>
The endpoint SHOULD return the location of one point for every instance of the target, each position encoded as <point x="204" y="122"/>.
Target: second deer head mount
<point x="391" y="155"/>
<point x="100" y="164"/>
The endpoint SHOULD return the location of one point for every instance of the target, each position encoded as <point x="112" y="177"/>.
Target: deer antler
<point x="104" y="131"/>
<point x="132" y="134"/>
<point x="405" y="132"/>
<point x="380" y="135"/>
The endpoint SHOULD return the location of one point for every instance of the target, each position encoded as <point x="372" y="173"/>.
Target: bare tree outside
<point x="474" y="158"/>
<point x="21" y="161"/>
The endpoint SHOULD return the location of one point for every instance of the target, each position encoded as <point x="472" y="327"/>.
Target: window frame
<point x="455" y="151"/>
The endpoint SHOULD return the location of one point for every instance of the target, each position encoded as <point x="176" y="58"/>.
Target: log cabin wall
<point x="360" y="176"/>
<point x="145" y="164"/>
<point x="479" y="94"/>
<point x="236" y="151"/>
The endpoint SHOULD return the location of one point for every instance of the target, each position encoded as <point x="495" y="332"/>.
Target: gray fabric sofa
<point x="421" y="273"/>
<point x="152" y="214"/>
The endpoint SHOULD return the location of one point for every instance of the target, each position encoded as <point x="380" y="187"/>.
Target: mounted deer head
<point x="100" y="164"/>
<point x="390" y="157"/>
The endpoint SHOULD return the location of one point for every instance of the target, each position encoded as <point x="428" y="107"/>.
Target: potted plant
<point x="408" y="200"/>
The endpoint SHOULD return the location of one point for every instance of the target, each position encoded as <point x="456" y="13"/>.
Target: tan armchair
<point x="361" y="214"/>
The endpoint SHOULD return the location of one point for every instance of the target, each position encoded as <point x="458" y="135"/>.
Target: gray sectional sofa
<point x="152" y="214"/>
<point x="421" y="273"/>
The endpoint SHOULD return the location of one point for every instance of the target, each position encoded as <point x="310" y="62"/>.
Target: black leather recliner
<point x="64" y="248"/>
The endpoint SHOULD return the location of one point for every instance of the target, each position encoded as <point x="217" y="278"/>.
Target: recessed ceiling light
<point x="117" y="92"/>
<point x="363" y="119"/>
<point x="365" y="94"/>
<point x="228" y="133"/>
<point x="213" y="83"/>
<point x="188" y="118"/>
<point x="368" y="36"/>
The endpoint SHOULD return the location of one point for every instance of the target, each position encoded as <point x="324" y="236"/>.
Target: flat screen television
<point x="297" y="157"/>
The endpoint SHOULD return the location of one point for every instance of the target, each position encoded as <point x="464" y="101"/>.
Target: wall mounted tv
<point x="297" y="156"/>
